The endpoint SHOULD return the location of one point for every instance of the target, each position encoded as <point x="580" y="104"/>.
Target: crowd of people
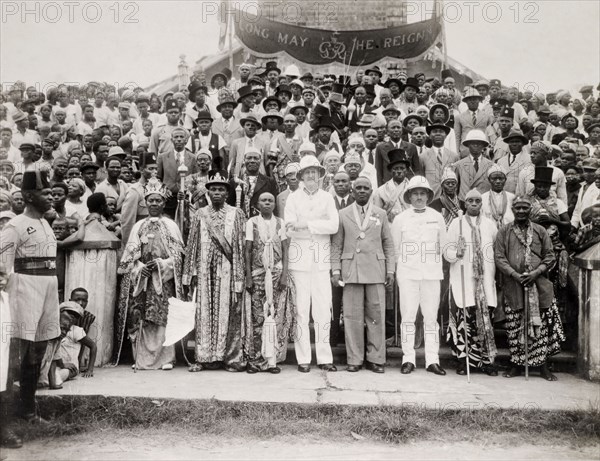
<point x="279" y="199"/>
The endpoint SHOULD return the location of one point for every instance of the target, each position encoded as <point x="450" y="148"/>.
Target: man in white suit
<point x="472" y="119"/>
<point x="517" y="158"/>
<point x="311" y="218"/>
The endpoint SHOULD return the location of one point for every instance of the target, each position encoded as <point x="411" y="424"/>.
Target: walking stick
<point x="464" y="298"/>
<point x="396" y="305"/>
<point x="526" y="335"/>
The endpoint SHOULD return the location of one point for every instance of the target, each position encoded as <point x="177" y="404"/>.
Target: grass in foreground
<point x="260" y="421"/>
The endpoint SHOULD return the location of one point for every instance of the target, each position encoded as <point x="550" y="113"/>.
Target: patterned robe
<point x="144" y="301"/>
<point x="215" y="256"/>
<point x="282" y="300"/>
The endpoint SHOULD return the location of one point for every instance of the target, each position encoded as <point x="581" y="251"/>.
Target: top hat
<point x="412" y="82"/>
<point x="543" y="175"/>
<point x="35" y="180"/>
<point x="396" y="156"/>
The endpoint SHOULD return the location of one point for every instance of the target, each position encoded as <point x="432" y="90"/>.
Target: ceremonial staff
<point x="182" y="172"/>
<point x="526" y="328"/>
<point x="462" y="286"/>
<point x="146" y="257"/>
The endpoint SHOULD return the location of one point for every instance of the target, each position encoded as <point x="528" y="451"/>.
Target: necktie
<point x="270" y="135"/>
<point x="476" y="165"/>
<point x="251" y="142"/>
<point x="362" y="212"/>
<point x="371" y="159"/>
<point x="359" y="112"/>
<point x="343" y="203"/>
<point x="439" y="156"/>
<point x="225" y="124"/>
<point x="513" y="157"/>
<point x="474" y="118"/>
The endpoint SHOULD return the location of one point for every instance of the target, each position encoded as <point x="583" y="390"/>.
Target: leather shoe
<point x="353" y="368"/>
<point x="251" y="369"/>
<point x="435" y="368"/>
<point x="274" y="370"/>
<point x="328" y="367"/>
<point x="375" y="367"/>
<point x="407" y="368"/>
<point x="9" y="439"/>
<point x="303" y="368"/>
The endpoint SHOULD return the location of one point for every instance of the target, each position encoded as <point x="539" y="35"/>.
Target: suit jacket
<point x="263" y="184"/>
<point x="469" y="179"/>
<point x="522" y="159"/>
<point x="233" y="131"/>
<point x="237" y="151"/>
<point x="338" y="204"/>
<point x="382" y="160"/>
<point x="432" y="169"/>
<point x="367" y="260"/>
<point x="464" y="123"/>
<point x="352" y="118"/>
<point x="167" y="168"/>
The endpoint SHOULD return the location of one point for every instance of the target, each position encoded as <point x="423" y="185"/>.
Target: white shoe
<point x="167" y="366"/>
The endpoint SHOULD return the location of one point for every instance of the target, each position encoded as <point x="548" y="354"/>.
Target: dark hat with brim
<point x="193" y="88"/>
<point x="592" y="126"/>
<point x="321" y="111"/>
<point x="436" y="126"/>
<point x="283" y="88"/>
<point x="326" y="122"/>
<point x="88" y="165"/>
<point x="244" y="92"/>
<point x="396" y="156"/>
<point x="390" y="81"/>
<point x="35" y="180"/>
<point x="444" y="107"/>
<point x="27" y="145"/>
<point x="543" y="175"/>
<point x="228" y="101"/>
<point x="410" y="117"/>
<point x="218" y="74"/>
<point x="374" y="69"/>
<point x="516" y="134"/>
<point x="250" y="118"/>
<point x="412" y="82"/>
<point x="271" y="99"/>
<point x="272" y="114"/>
<point x="293" y="110"/>
<point x="204" y="115"/>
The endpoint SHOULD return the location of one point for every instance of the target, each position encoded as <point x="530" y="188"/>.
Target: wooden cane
<point x="526" y="328"/>
<point x="464" y="298"/>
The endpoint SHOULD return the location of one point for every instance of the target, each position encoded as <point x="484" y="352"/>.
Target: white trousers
<point x="314" y="288"/>
<point x="415" y="293"/>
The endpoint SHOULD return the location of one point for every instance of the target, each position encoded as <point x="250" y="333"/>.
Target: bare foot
<point x="512" y="372"/>
<point x="546" y="374"/>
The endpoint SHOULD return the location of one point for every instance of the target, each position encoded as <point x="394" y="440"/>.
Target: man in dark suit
<point x="253" y="183"/>
<point x="362" y="257"/>
<point x="170" y="161"/>
<point x="471" y="119"/>
<point x="360" y="108"/>
<point x="472" y="170"/>
<point x="342" y="199"/>
<point x="396" y="142"/>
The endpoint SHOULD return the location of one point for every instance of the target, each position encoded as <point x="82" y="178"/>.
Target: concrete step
<point x="563" y="362"/>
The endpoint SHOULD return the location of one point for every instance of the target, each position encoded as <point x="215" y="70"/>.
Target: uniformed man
<point x="419" y="234"/>
<point x="29" y="252"/>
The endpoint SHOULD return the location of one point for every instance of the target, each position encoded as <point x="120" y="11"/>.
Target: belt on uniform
<point x="35" y="266"/>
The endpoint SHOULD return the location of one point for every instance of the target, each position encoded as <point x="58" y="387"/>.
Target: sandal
<point x="196" y="367"/>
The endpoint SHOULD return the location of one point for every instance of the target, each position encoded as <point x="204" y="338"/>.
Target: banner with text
<point x="266" y="38"/>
